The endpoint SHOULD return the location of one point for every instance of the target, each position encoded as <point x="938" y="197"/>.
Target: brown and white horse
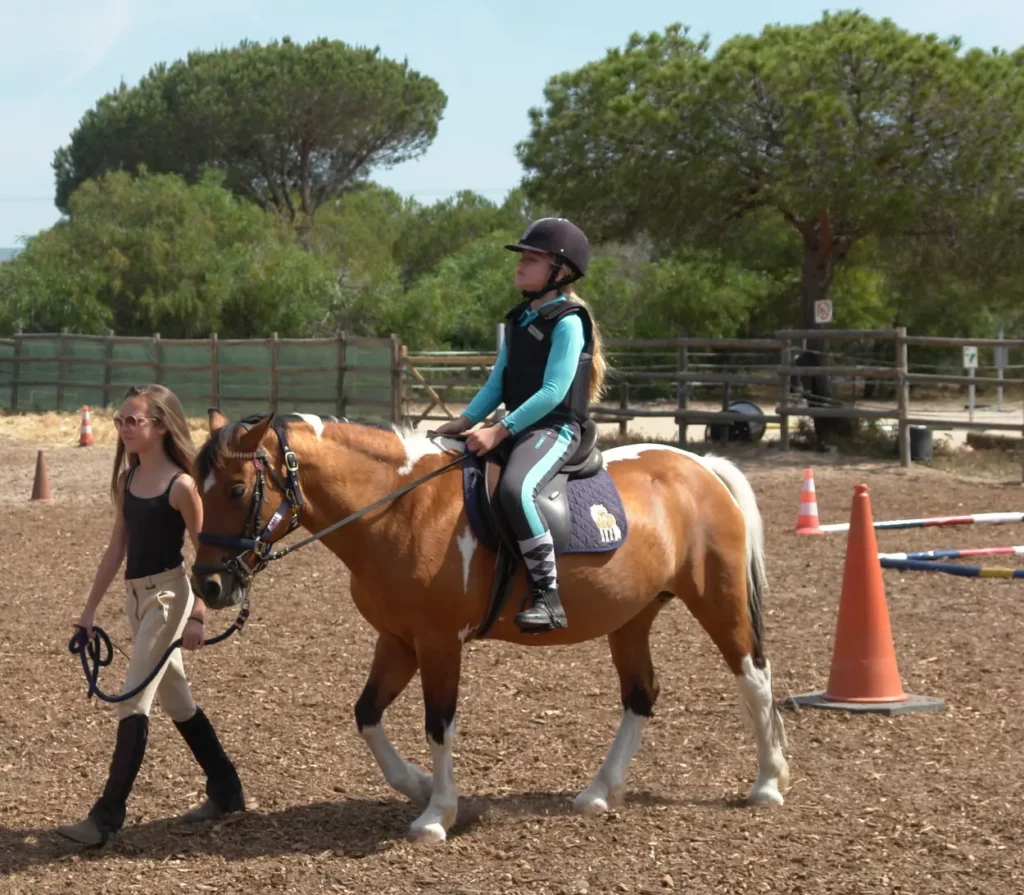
<point x="422" y="580"/>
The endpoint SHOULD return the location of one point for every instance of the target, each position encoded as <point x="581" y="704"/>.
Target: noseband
<point x="251" y="540"/>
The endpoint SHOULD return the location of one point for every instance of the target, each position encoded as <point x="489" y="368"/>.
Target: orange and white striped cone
<point x="85" y="436"/>
<point x="807" y="522"/>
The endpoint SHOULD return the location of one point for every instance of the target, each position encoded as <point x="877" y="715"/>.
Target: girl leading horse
<point x="421" y="578"/>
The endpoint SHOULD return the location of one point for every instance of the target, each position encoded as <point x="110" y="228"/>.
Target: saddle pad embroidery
<point x="598" y="518"/>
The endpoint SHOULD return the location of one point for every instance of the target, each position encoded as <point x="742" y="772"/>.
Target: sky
<point x="492" y="59"/>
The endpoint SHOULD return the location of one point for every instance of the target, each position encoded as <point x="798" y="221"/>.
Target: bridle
<point x="252" y="539"/>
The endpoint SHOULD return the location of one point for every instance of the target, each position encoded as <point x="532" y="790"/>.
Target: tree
<point x="290" y="126"/>
<point x="845" y="128"/>
<point x="153" y="254"/>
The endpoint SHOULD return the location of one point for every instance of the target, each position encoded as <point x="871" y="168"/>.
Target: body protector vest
<point x="526" y="354"/>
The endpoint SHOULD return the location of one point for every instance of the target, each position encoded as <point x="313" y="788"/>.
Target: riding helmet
<point x="559" y="237"/>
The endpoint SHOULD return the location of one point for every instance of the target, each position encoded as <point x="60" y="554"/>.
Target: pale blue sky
<point x="57" y="57"/>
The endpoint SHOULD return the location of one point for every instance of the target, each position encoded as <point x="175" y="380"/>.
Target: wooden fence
<point x="344" y="375"/>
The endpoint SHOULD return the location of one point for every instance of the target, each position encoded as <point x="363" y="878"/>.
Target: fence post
<point x="214" y="372"/>
<point x="158" y="371"/>
<point x="108" y="367"/>
<point x="397" y="379"/>
<point x="784" y="361"/>
<point x="273" y="373"/>
<point x="902" y="396"/>
<point x="340" y="338"/>
<point x="624" y="406"/>
<point x="16" y="370"/>
<point x="62" y="350"/>
<point x="682" y="388"/>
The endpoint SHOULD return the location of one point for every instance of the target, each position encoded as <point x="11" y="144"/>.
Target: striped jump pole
<point x="923" y="555"/>
<point x="972" y="519"/>
<point x="950" y="568"/>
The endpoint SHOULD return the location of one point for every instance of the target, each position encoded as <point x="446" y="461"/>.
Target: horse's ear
<point x="249" y="439"/>
<point x="216" y="419"/>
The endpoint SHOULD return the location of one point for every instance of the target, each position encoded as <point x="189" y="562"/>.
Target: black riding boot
<point x="546" y="613"/>
<point x="107" y="816"/>
<point x="223" y="788"/>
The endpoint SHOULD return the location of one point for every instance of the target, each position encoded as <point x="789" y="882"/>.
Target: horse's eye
<point x="237" y="491"/>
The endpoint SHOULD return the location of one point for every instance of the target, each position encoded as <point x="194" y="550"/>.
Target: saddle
<point x="580" y="505"/>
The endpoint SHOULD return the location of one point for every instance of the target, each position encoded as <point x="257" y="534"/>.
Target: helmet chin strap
<point x="553" y="284"/>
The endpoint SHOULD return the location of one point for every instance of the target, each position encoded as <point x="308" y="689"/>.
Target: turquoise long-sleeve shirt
<point x="566" y="347"/>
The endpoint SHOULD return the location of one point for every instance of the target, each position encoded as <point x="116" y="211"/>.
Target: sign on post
<point x="970" y="357"/>
<point x="823" y="311"/>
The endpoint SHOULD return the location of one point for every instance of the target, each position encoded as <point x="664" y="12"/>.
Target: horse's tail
<point x="757" y="579"/>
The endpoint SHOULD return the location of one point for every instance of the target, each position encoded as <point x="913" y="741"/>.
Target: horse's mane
<point x="212" y="454"/>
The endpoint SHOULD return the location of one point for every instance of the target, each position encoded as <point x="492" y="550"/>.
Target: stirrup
<point x="545" y="613"/>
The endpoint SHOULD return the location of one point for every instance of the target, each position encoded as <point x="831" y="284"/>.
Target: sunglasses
<point x="131" y="421"/>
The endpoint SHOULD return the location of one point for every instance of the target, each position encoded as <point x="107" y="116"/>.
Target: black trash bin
<point x="920" y="443"/>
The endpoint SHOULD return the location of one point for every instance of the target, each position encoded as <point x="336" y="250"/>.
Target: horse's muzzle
<point x="220" y="589"/>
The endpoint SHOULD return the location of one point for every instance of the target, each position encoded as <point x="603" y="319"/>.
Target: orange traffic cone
<point x="807" y="522"/>
<point x="864" y="676"/>
<point x="85" y="436"/>
<point x="41" y="485"/>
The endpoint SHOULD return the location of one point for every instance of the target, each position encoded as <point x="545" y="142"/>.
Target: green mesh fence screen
<point x="344" y="376"/>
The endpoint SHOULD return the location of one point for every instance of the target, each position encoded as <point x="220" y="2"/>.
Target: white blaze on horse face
<point x="607" y="790"/>
<point x="761" y="714"/>
<point x="405" y="777"/>
<point x="467" y="547"/>
<point x="434" y="823"/>
<point x="211" y="480"/>
<point x="315" y="423"/>
<point x="419" y="446"/>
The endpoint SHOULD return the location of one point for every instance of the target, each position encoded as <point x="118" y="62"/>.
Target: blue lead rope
<point x="97" y="652"/>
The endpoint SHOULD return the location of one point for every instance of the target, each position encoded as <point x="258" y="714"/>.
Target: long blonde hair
<point x="598" y="365"/>
<point x="166" y="408"/>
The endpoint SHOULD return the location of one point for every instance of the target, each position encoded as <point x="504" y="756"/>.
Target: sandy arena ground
<point x="924" y="803"/>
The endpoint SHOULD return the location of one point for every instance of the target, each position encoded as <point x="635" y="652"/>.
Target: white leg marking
<point x="465" y="632"/>
<point x="763" y="717"/>
<point x="467" y="547"/>
<point x="407" y="778"/>
<point x="608" y="788"/>
<point x="433" y="824"/>
<point x="315" y="423"/>
<point x="211" y="480"/>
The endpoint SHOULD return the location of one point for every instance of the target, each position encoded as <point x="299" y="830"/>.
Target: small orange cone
<point x="807" y="522"/>
<point x="864" y="676"/>
<point x="85" y="436"/>
<point x="41" y="485"/>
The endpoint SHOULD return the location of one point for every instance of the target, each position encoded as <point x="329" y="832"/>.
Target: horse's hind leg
<point x="394" y="664"/>
<point x="631" y="653"/>
<point x="721" y="607"/>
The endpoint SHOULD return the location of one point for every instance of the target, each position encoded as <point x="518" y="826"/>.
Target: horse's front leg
<point x="440" y="666"/>
<point x="394" y="664"/>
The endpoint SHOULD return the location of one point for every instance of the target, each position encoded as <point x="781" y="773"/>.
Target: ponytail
<point x="598" y="365"/>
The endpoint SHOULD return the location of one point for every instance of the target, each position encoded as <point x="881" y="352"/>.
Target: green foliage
<point x="290" y="126"/>
<point x="151" y="254"/>
<point x="844" y="128"/>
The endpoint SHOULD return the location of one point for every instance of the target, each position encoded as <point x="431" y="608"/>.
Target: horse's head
<point x="233" y="471"/>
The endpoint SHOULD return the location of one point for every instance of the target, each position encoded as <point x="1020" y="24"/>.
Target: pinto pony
<point x="422" y="579"/>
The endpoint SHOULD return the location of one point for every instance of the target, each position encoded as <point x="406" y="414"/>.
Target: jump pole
<point x="950" y="568"/>
<point x="954" y="554"/>
<point x="934" y="521"/>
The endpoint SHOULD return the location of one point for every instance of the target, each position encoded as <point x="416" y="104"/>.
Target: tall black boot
<point x="108" y="813"/>
<point x="223" y="788"/>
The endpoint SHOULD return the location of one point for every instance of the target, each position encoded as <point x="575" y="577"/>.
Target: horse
<point x="420" y="576"/>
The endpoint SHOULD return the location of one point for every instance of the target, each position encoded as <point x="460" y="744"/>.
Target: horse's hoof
<point x="765" y="795"/>
<point x="428" y="834"/>
<point x="595" y="801"/>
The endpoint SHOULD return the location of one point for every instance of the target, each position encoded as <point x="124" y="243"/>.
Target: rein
<point x="97" y="652"/>
<point x="259" y="544"/>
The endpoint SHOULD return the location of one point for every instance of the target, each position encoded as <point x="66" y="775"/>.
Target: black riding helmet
<point x="561" y="238"/>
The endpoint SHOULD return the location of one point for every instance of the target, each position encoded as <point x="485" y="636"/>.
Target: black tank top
<point x="156" y="532"/>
